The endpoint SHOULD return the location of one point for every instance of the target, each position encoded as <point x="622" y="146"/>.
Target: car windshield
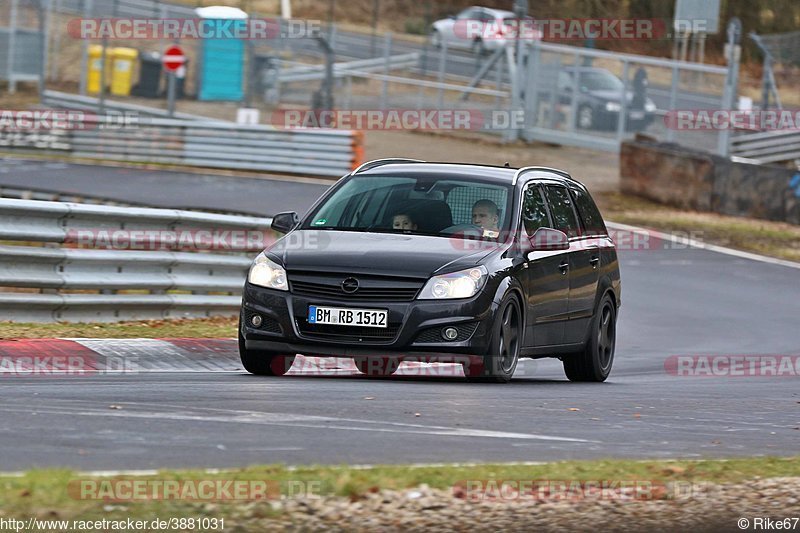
<point x="419" y="205"/>
<point x="600" y="80"/>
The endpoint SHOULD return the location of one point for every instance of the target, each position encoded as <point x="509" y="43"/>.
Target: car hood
<point x="378" y="253"/>
<point x="611" y="95"/>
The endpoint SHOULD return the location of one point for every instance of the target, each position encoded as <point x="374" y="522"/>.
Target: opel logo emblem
<point x="350" y="285"/>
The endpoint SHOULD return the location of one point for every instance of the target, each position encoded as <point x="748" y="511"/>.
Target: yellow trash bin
<point x="122" y="70"/>
<point x="96" y="68"/>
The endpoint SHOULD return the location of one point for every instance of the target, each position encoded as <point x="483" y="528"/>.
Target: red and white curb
<point x="28" y="357"/>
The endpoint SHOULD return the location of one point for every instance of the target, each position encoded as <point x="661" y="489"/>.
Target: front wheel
<point x="594" y="362"/>
<point x="261" y="363"/>
<point x="506" y="340"/>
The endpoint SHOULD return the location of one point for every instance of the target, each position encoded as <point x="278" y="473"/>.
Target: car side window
<point x="534" y="210"/>
<point x="466" y="14"/>
<point x="590" y="216"/>
<point x="561" y="209"/>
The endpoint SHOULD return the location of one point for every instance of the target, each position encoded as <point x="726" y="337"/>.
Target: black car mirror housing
<point x="285" y="222"/>
<point x="549" y="239"/>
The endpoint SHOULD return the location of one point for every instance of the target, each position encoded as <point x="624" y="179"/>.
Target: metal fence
<point x="764" y="147"/>
<point x="22" y="41"/>
<point x="316" y="152"/>
<point x="68" y="283"/>
<point x="574" y="96"/>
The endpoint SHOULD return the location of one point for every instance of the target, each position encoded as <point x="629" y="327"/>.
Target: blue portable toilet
<point x="221" y="72"/>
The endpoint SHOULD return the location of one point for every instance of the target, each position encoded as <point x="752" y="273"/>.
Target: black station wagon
<point x="404" y="259"/>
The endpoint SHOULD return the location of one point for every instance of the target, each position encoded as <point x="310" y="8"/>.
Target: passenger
<point x="486" y="215"/>
<point x="402" y="221"/>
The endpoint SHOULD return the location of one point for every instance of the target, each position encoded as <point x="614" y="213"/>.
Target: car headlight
<point x="649" y="106"/>
<point x="267" y="273"/>
<point x="461" y="284"/>
<point x="614" y="107"/>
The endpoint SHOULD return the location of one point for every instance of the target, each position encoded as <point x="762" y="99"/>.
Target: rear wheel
<point x="263" y="363"/>
<point x="499" y="365"/>
<point x="376" y="366"/>
<point x="594" y="362"/>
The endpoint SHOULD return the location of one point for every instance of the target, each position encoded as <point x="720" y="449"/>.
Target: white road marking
<point x="295" y="420"/>
<point x="700" y="245"/>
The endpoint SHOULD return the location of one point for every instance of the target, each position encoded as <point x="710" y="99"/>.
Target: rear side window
<point x="534" y="211"/>
<point x="561" y="209"/>
<point x="590" y="215"/>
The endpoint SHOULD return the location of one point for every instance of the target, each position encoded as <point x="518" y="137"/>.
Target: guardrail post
<point x="733" y="53"/>
<point x="12" y="31"/>
<point x="387" y="56"/>
<point x="442" y="70"/>
<point x="623" y="106"/>
<point x="673" y="98"/>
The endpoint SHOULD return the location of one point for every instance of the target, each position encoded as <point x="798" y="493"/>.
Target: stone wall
<point x="690" y="179"/>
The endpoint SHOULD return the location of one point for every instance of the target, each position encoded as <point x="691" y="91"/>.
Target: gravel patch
<point x="695" y="507"/>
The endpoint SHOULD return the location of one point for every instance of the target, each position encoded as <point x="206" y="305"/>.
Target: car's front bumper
<point x="414" y="326"/>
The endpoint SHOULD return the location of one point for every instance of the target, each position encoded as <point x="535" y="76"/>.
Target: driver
<point x="486" y="215"/>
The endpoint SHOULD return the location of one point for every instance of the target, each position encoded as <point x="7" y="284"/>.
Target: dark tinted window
<point x="534" y="211"/>
<point x="561" y="208"/>
<point x="590" y="215"/>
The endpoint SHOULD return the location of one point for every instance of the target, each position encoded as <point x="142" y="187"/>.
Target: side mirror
<point x="548" y="240"/>
<point x="285" y="222"/>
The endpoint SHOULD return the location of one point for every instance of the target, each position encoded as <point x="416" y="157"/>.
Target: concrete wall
<point x="690" y="179"/>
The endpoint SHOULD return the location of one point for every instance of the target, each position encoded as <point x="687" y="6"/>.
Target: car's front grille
<point x="344" y="333"/>
<point x="371" y="288"/>
<point x="434" y="335"/>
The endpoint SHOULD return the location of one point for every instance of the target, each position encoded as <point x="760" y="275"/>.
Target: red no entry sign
<point x="173" y="58"/>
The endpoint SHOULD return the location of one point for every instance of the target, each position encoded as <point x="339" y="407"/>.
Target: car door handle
<point x="564" y="267"/>
<point x="594" y="260"/>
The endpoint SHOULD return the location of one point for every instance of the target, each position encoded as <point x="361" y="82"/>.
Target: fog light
<point x="256" y="321"/>
<point x="450" y="334"/>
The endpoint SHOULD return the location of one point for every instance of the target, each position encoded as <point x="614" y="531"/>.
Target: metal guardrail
<point x="79" y="284"/>
<point x="59" y="100"/>
<point x="292" y="72"/>
<point x="318" y="152"/>
<point x="762" y="147"/>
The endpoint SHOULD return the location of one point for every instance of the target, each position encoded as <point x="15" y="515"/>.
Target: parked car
<point x="403" y="258"/>
<point x="482" y="30"/>
<point x="600" y="97"/>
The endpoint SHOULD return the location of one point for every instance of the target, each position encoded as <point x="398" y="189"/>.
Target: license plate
<point x="637" y="115"/>
<point x="340" y="316"/>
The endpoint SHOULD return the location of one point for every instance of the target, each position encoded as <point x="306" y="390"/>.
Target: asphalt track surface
<point x="258" y="196"/>
<point x="676" y="301"/>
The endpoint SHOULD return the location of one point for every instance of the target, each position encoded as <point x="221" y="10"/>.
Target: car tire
<point x="436" y="39"/>
<point x="505" y="342"/>
<point x="585" y="120"/>
<point x="263" y="363"/>
<point x="594" y="362"/>
<point x="376" y="366"/>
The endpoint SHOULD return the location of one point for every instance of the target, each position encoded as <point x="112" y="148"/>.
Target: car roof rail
<point x="523" y="170"/>
<point x="386" y="161"/>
